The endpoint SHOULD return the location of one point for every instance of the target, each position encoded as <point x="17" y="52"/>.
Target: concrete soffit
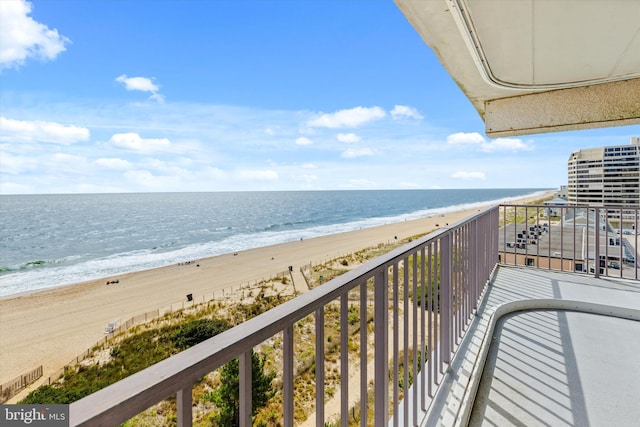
<point x="536" y="66"/>
<point x="595" y="106"/>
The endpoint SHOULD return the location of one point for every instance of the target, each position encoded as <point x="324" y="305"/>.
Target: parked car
<point x="614" y="264"/>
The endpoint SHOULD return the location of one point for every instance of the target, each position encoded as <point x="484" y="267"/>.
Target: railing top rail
<point x="124" y="399"/>
<point x="610" y="207"/>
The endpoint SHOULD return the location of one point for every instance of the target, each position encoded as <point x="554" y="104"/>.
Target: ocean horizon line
<point x="270" y="191"/>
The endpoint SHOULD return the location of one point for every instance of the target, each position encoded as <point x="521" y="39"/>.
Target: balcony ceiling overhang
<point x="534" y="66"/>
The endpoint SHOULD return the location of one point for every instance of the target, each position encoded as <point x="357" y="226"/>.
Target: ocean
<point x="53" y="240"/>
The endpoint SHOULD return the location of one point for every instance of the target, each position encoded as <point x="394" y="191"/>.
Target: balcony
<point x="456" y="336"/>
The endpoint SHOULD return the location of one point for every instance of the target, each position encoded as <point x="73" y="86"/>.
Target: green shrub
<point x="198" y="330"/>
<point x="227" y="396"/>
<point x="49" y="394"/>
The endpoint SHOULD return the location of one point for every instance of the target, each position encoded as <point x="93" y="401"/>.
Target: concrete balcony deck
<point x="546" y="348"/>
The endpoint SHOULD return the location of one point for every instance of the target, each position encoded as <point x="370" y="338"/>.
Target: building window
<point x="531" y="262"/>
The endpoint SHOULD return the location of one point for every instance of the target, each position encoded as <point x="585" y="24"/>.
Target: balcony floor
<point x="546" y="364"/>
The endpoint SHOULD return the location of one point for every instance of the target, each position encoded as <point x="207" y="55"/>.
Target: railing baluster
<point x="320" y="366"/>
<point x="445" y="301"/>
<point x="562" y="254"/>
<point x="414" y="305"/>
<point x="184" y="402"/>
<point x="381" y="345"/>
<point x="396" y="347"/>
<point x="287" y="386"/>
<point x="344" y="359"/>
<point x="596" y="244"/>
<point x="423" y="319"/>
<point x="436" y="298"/>
<point x="586" y="246"/>
<point x="574" y="239"/>
<point x="363" y="354"/>
<point x="454" y="287"/>
<point x="405" y="336"/>
<point x="245" y="388"/>
<point x="430" y="321"/>
<point x="474" y="264"/>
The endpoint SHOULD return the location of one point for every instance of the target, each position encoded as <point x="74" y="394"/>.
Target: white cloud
<point x="303" y="141"/>
<point x="505" y="144"/>
<point x="409" y="185"/>
<point x="7" y="187"/>
<point x="361" y="183"/>
<point x="65" y="164"/>
<point x="500" y="144"/>
<point x="353" y="117"/>
<point x="309" y="166"/>
<point x="142" y="177"/>
<point x="143" y="84"/>
<point x="255" y="174"/>
<point x="14" y="165"/>
<point x="359" y="152"/>
<point x="39" y="131"/>
<point x="465" y="138"/>
<point x="305" y="178"/>
<point x="348" y="137"/>
<point x="134" y="142"/>
<point x="213" y="173"/>
<point x="113" y="163"/>
<point x="468" y="175"/>
<point x="400" y="111"/>
<point x="21" y="37"/>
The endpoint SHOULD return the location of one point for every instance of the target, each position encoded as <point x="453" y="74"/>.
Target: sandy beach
<point x="53" y="326"/>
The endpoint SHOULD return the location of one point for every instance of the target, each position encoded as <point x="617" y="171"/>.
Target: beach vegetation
<point x="130" y="355"/>
<point x="164" y="336"/>
<point x="198" y="330"/>
<point x="522" y="214"/>
<point x="226" y="396"/>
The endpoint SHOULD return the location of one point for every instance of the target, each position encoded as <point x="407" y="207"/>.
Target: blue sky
<point x="138" y="96"/>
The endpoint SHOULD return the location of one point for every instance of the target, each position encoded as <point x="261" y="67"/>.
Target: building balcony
<point x="446" y="330"/>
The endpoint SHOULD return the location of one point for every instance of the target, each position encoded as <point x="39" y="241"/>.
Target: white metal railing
<point x="424" y="296"/>
<point x="602" y="241"/>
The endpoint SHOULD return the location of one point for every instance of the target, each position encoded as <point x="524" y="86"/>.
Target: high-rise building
<point x="605" y="176"/>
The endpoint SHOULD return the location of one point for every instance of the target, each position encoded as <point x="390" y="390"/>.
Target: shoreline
<point x="26" y="280"/>
<point x="50" y="327"/>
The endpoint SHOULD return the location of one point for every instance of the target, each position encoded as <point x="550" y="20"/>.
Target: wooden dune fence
<point x="10" y="388"/>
